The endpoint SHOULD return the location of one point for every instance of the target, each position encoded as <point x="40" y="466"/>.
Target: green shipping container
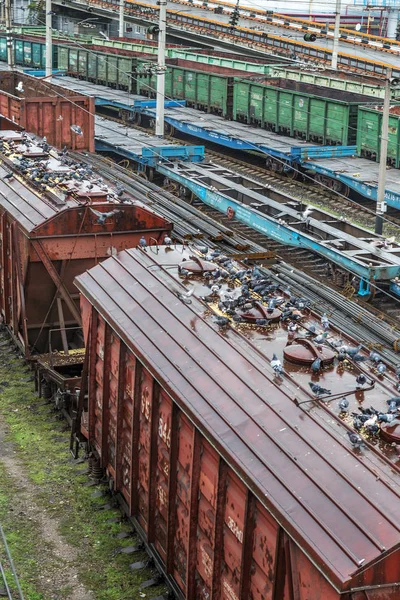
<point x="369" y="134"/>
<point x="19" y="52"/>
<point x="296" y="109"/>
<point x="3" y="49"/>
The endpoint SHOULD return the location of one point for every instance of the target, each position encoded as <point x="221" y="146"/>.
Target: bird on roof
<point x="167" y="240"/>
<point x="351" y="351"/>
<point x="142" y="242"/>
<point x="276" y="365"/>
<point x="9" y="176"/>
<point x="381" y="368"/>
<point x="361" y="380"/>
<point x="371" y="421"/>
<point x="316" y="365"/>
<point x="386" y="417"/>
<point x="185" y="297"/>
<point x="325" y="322"/>
<point x="319" y="339"/>
<point x="20" y="87"/>
<point x="355" y="439"/>
<point x="307" y="212"/>
<point x="344" y="404"/>
<point x="102" y="217"/>
<point x="373" y="429"/>
<point x="221" y="321"/>
<point x="374" y="357"/>
<point x="318" y="390"/>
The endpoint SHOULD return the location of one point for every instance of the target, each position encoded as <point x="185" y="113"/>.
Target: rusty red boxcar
<point x="57" y="219"/>
<point x="241" y="484"/>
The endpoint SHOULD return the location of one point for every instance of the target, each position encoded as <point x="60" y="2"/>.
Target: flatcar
<point x="242" y="484"/>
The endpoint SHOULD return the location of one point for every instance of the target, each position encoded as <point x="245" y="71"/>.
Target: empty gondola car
<point x="241" y="482"/>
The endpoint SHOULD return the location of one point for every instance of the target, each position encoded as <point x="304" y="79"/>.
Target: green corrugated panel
<point x="218" y="87"/>
<point x="285" y="112"/>
<point x="82" y="63"/>
<point x="255" y="104"/>
<point x="112" y="68"/>
<point x="337" y="125"/>
<point x="241" y="100"/>
<point x="393" y="140"/>
<point x="92" y="66"/>
<point x="178" y="82"/>
<point x="125" y="67"/>
<point x="102" y="67"/>
<point x="37" y="54"/>
<point x="19" y="52"/>
<point x="27" y="49"/>
<point x="301" y="108"/>
<point x="63" y="53"/>
<point x="72" y="60"/>
<point x="270" y="108"/>
<point x="3" y="48"/>
<point x="316" y="128"/>
<point x="190" y="87"/>
<point x="368" y="129"/>
<point x="203" y="89"/>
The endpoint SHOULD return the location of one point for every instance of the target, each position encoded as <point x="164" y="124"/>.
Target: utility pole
<point x="380" y="200"/>
<point x="10" y="50"/>
<point x="162" y="24"/>
<point x="121" y="19"/>
<point x="49" y="40"/>
<point x="336" y="35"/>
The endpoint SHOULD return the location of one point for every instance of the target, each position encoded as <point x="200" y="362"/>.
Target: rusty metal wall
<point x="39" y="107"/>
<point x="214" y="539"/>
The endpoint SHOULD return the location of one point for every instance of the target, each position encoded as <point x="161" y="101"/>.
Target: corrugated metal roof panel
<point x="340" y="507"/>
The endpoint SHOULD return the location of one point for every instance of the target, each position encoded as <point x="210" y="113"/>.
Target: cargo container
<point x="369" y="134"/>
<point x="238" y="490"/>
<point x="49" y="234"/>
<point x="312" y="113"/>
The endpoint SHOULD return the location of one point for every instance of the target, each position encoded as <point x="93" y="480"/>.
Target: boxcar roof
<point x="341" y="507"/>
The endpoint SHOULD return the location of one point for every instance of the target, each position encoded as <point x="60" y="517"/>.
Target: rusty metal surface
<point x="39" y="106"/>
<point x="340" y="506"/>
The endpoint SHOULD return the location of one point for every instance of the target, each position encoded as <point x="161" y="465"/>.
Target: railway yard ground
<point x="64" y="545"/>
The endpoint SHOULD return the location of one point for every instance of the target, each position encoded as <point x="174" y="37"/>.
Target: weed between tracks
<point x="62" y="547"/>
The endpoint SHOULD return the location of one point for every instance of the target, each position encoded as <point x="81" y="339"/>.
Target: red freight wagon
<point x="241" y="484"/>
<point x="51" y="229"/>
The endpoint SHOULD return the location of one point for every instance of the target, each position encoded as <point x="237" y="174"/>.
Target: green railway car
<point x="312" y="113"/>
<point x="203" y="90"/>
<point x="369" y="134"/>
<point x="357" y="84"/>
<point x="98" y="67"/>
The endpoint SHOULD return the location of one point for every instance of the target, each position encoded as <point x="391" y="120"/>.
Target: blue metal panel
<point x="138" y="105"/>
<point x="365" y="189"/>
<point x="278" y="231"/>
<point x="395" y="287"/>
<point x="42" y="73"/>
<point x="303" y="154"/>
<point x="151" y="157"/>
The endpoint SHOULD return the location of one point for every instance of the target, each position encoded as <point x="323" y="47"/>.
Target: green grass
<point x="34" y="432"/>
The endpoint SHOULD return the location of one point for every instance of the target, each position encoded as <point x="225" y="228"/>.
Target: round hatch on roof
<point x="303" y="352"/>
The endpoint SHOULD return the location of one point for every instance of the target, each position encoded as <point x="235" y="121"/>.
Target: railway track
<point x="358" y="212"/>
<point x="198" y="221"/>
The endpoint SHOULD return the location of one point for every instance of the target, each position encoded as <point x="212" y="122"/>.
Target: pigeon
<point x="20" y="87"/>
<point x="361" y="380"/>
<point x="320" y="338"/>
<point x="167" y="240"/>
<point x="185" y="297"/>
<point x="292" y="327"/>
<point x="373" y="429"/>
<point x="355" y="439"/>
<point x="316" y="365"/>
<point x="386" y="417"/>
<point x="325" y="322"/>
<point x="318" y="390"/>
<point x="307" y="212"/>
<point x="344" y="404"/>
<point x="395" y="401"/>
<point x="221" y="321"/>
<point x="276" y="365"/>
<point x="76" y="129"/>
<point x="381" y="368"/>
<point x="9" y="176"/>
<point x="371" y="421"/>
<point x="374" y="357"/>
<point x="142" y="242"/>
<point x="203" y="250"/>
<point x="102" y="217"/>
<point x="351" y="351"/>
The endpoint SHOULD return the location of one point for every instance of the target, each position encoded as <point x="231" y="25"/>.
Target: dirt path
<point x="58" y="559"/>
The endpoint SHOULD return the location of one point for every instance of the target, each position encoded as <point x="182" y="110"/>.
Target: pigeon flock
<point x="46" y="169"/>
<point x="237" y="289"/>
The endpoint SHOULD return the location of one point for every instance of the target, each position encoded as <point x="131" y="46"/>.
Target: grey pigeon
<point x="344" y="404"/>
<point x="355" y="439"/>
<point x="318" y="390"/>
